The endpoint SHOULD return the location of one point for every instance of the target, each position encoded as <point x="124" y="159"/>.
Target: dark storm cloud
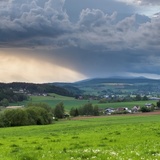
<point x="107" y="6"/>
<point x="25" y="20"/>
<point x="101" y="38"/>
<point x="37" y="23"/>
<point x="108" y="63"/>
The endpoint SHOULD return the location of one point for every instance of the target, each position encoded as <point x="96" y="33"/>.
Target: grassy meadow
<point x="70" y="102"/>
<point x="102" y="138"/>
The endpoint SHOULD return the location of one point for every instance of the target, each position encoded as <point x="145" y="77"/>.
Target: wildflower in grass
<point x="86" y="150"/>
<point x="96" y="151"/>
<point x="113" y="153"/>
<point x="94" y="157"/>
<point x="43" y="156"/>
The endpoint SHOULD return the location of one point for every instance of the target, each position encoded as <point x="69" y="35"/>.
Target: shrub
<point x="2" y="124"/>
<point x="15" y="117"/>
<point x="145" y="109"/>
<point x="33" y="115"/>
<point x="39" y="116"/>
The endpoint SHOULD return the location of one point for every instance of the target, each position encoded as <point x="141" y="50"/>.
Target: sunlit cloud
<point x="131" y="1"/>
<point x="144" y="7"/>
<point x="27" y="68"/>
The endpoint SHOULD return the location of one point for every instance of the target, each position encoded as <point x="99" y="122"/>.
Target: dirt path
<point x="135" y="114"/>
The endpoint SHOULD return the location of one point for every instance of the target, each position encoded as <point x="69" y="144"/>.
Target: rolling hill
<point x="116" y="85"/>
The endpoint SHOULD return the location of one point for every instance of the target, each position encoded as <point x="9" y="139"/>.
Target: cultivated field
<point x="103" y="138"/>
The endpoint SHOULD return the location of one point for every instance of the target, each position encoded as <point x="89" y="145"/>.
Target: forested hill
<point x="32" y="88"/>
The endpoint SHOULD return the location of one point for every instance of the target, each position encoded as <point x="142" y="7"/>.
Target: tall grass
<point x="107" y="138"/>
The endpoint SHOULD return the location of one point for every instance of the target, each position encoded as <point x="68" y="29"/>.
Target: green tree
<point x="43" y="117"/>
<point x="4" y="102"/>
<point x="39" y="113"/>
<point x="59" y="110"/>
<point x="81" y="111"/>
<point x="138" y="98"/>
<point x="88" y="109"/>
<point x="15" y="117"/>
<point x="42" y="105"/>
<point x="32" y="115"/>
<point x="74" y="112"/>
<point x="145" y="98"/>
<point x="2" y="117"/>
<point x="96" y="111"/>
<point x="158" y="104"/>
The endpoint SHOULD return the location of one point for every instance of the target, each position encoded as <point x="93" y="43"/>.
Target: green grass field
<point x="70" y="102"/>
<point x="102" y="138"/>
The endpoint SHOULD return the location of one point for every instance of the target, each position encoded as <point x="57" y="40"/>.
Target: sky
<point x="70" y="40"/>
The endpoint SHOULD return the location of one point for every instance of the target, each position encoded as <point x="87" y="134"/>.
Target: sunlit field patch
<point x="105" y="138"/>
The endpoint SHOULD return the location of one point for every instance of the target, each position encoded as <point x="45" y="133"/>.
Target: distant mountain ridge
<point x="118" y="79"/>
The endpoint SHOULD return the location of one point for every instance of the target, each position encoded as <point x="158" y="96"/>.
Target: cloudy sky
<point x="70" y="40"/>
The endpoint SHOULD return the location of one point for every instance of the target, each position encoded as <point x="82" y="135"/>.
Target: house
<point x="122" y="109"/>
<point x="148" y="105"/>
<point x="135" y="109"/>
<point x="154" y="98"/>
<point x="109" y="110"/>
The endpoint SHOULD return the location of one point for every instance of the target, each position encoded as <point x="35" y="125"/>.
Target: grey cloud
<point x="95" y="18"/>
<point x="149" y="2"/>
<point x="31" y="20"/>
<point x="126" y="24"/>
<point x="147" y="35"/>
<point x="46" y="23"/>
<point x="106" y="6"/>
<point x="127" y="33"/>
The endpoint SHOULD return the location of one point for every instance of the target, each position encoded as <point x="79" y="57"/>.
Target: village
<point x="135" y="109"/>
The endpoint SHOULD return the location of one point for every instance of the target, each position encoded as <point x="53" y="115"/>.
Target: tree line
<point x="42" y="114"/>
<point x="8" y="96"/>
<point x="87" y="110"/>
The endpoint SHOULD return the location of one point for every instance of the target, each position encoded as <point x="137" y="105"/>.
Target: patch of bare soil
<point x="134" y="114"/>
